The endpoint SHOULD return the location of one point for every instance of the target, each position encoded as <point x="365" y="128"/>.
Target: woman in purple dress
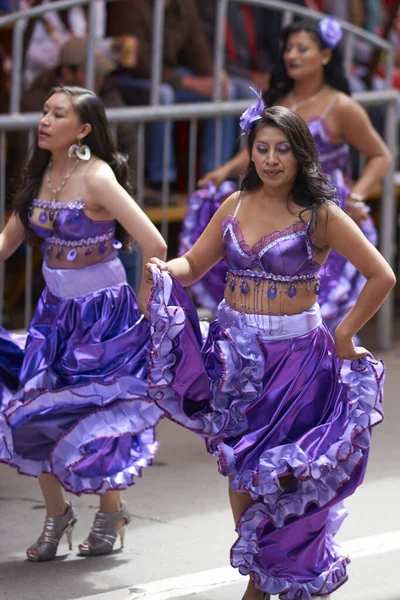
<point x="310" y="80"/>
<point x="286" y="409"/>
<point x="75" y="411"/>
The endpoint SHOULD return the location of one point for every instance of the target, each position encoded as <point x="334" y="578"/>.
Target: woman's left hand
<point x="345" y="348"/>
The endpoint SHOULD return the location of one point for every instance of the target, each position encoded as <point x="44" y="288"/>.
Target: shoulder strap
<point x="238" y="205"/>
<point x="328" y="108"/>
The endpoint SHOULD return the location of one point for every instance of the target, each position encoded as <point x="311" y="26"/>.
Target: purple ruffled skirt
<point x="74" y="395"/>
<point x="271" y="400"/>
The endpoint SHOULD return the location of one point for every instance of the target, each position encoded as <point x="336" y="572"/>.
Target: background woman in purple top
<point x="74" y="406"/>
<point x="310" y="79"/>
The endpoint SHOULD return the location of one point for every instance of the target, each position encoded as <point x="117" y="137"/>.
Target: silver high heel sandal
<point x="45" y="547"/>
<point x="103" y="534"/>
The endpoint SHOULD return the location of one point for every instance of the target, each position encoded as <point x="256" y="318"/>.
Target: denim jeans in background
<point x="155" y="138"/>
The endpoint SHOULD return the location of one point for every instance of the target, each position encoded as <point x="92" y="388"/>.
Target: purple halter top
<point x="71" y="228"/>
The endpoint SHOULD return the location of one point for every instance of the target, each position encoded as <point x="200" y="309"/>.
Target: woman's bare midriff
<point x="57" y="259"/>
<point x="257" y="301"/>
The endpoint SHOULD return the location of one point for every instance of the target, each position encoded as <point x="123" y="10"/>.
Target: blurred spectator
<point x="45" y="35"/>
<point x="187" y="71"/>
<point x="251" y="40"/>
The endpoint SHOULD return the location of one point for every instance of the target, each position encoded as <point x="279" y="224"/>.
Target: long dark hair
<point x="311" y="188"/>
<point x="90" y="109"/>
<point x="334" y="73"/>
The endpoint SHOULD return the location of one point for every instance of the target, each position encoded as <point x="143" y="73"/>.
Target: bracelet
<point x="355" y="204"/>
<point x="357" y="197"/>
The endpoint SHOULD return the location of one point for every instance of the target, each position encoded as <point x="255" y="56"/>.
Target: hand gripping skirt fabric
<point x="74" y="394"/>
<point x="272" y="401"/>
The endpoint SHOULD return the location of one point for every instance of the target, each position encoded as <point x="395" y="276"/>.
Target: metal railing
<point x="193" y="113"/>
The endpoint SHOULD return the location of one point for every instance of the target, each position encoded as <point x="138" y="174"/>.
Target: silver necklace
<point x="295" y="105"/>
<point x="64" y="181"/>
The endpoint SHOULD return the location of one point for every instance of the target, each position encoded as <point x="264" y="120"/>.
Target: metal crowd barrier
<point x="192" y="113"/>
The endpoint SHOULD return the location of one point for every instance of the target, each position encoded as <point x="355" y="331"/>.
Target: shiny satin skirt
<point x="74" y="390"/>
<point x="288" y="421"/>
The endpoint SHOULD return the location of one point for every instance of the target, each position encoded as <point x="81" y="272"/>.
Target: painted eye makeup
<point x="302" y="48"/>
<point x="262" y="148"/>
<point x="284" y="148"/>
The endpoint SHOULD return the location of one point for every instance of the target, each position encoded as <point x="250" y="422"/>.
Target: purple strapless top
<point x="71" y="228"/>
<point x="285" y="255"/>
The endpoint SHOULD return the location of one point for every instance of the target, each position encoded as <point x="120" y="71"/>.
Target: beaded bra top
<point x="285" y="256"/>
<point x="66" y="228"/>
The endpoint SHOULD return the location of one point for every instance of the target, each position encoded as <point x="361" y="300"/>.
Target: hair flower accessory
<point x="252" y="114"/>
<point x="330" y="31"/>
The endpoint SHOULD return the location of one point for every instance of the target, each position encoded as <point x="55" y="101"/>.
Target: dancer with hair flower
<point x="287" y="410"/>
<point x="310" y="80"/>
<point x="75" y="410"/>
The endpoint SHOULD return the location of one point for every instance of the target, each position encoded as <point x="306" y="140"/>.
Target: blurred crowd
<point x="55" y="49"/>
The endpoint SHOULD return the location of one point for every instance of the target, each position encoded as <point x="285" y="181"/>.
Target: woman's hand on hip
<point x="345" y="348"/>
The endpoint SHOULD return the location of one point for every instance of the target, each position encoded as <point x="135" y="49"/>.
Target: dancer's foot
<point x="105" y="530"/>
<point x="45" y="548"/>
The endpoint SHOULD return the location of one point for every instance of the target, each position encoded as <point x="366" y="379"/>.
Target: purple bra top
<point x="71" y="228"/>
<point x="334" y="158"/>
<point x="331" y="156"/>
<point x="285" y="256"/>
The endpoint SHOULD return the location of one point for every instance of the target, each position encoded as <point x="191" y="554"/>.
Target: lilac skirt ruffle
<point x="271" y="405"/>
<point x="75" y="400"/>
<point x="202" y="206"/>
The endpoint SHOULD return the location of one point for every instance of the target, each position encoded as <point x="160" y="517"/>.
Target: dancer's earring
<point x="81" y="151"/>
<point x="325" y="61"/>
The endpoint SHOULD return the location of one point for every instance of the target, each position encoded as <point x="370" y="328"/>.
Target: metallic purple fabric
<point x="202" y="205"/>
<point x="287" y="252"/>
<point x="69" y="229"/>
<point x="271" y="405"/>
<point x="69" y="221"/>
<point x="80" y="410"/>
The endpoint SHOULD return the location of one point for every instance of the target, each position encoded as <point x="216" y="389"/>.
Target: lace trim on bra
<point x="54" y="205"/>
<point x="294" y="228"/>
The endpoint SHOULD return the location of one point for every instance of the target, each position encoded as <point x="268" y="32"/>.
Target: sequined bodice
<point x="69" y="234"/>
<point x="287" y="254"/>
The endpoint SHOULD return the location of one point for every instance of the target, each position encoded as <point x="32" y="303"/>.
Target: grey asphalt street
<point x="177" y="545"/>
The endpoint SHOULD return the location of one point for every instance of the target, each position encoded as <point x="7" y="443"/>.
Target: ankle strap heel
<point x="45" y="547"/>
<point x="105" y="530"/>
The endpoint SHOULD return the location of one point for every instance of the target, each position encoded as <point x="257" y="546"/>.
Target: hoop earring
<point x="80" y="151"/>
